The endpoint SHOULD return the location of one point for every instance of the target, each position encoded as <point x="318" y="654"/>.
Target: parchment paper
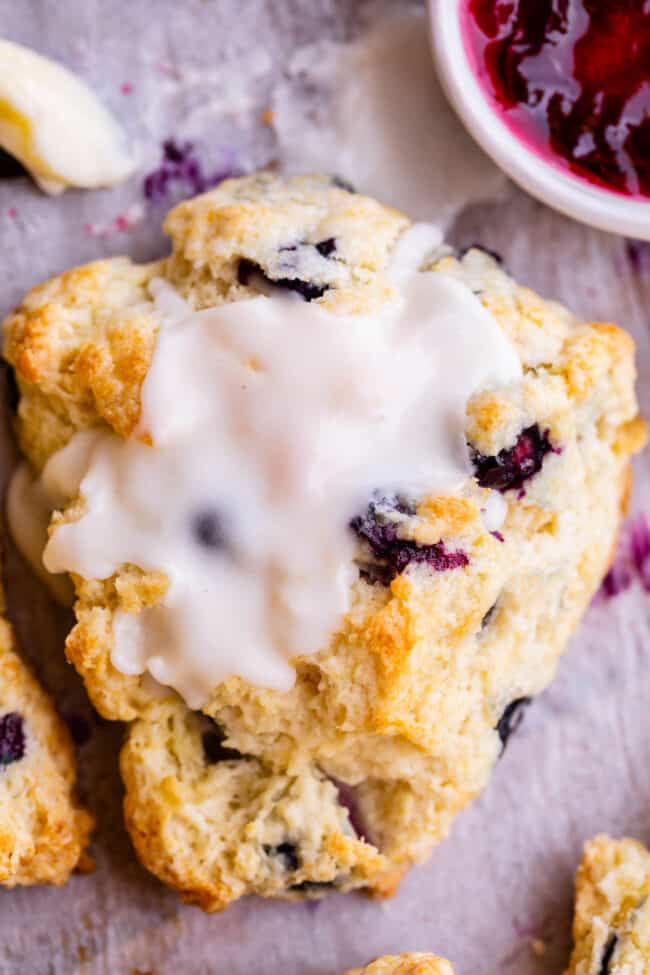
<point x="579" y="764"/>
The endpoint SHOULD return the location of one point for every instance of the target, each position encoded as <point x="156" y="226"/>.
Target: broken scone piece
<point x="611" y="927"/>
<point x="43" y="832"/>
<point x="333" y="499"/>
<point x="412" y="963"/>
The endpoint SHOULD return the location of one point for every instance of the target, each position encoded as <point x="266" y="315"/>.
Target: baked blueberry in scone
<point x="43" y="832"/>
<point x="350" y="634"/>
<point x="412" y="963"/>
<point x="611" y="926"/>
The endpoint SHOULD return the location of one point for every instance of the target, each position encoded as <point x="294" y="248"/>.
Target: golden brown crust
<point x="81" y="344"/>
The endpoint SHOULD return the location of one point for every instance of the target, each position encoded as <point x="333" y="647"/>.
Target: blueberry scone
<point x="333" y="499"/>
<point x="43" y="832"/>
<point x="412" y="963"/>
<point x="611" y="927"/>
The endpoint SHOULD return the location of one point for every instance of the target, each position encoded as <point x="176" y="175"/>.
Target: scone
<point x="43" y="832"/>
<point x="343" y="766"/>
<point x="611" y="927"/>
<point x="412" y="963"/>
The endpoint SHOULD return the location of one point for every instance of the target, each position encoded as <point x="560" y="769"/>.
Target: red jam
<point x="572" y="77"/>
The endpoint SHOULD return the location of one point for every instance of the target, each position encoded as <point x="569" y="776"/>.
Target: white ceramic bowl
<point x="571" y="195"/>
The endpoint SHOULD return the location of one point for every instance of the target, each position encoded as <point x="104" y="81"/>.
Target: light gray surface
<point x="579" y="764"/>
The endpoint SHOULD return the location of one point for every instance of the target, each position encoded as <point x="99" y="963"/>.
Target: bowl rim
<point x="573" y="196"/>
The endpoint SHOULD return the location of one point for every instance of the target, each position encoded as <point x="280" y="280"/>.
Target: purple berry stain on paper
<point x="632" y="561"/>
<point x="181" y="172"/>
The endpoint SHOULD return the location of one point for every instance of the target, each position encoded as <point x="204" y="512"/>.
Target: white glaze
<point x="415" y="248"/>
<point x="284" y="418"/>
<point x="54" y="124"/>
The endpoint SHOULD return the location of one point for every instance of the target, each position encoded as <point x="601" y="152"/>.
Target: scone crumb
<point x="538" y="947"/>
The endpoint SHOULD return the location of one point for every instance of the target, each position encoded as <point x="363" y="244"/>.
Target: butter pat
<point x="54" y="124"/>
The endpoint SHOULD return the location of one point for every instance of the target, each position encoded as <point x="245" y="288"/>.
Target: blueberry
<point x="287" y="854"/>
<point x="12" y="738"/>
<point x="309" y="291"/>
<point x="487" y="619"/>
<point x="608" y="953"/>
<point x="10" y="168"/>
<point x="511" y="719"/>
<point x="326" y="247"/>
<point x="376" y="526"/>
<point x="177" y="152"/>
<point x="207" y="529"/>
<point x="512" y="467"/>
<point x="392" y="553"/>
<point x="214" y="749"/>
<point x="343" y="184"/>
<point x="484" y="250"/>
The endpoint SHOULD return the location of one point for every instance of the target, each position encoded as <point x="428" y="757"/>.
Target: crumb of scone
<point x="611" y="926"/>
<point x="43" y="831"/>
<point x="407" y="964"/>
